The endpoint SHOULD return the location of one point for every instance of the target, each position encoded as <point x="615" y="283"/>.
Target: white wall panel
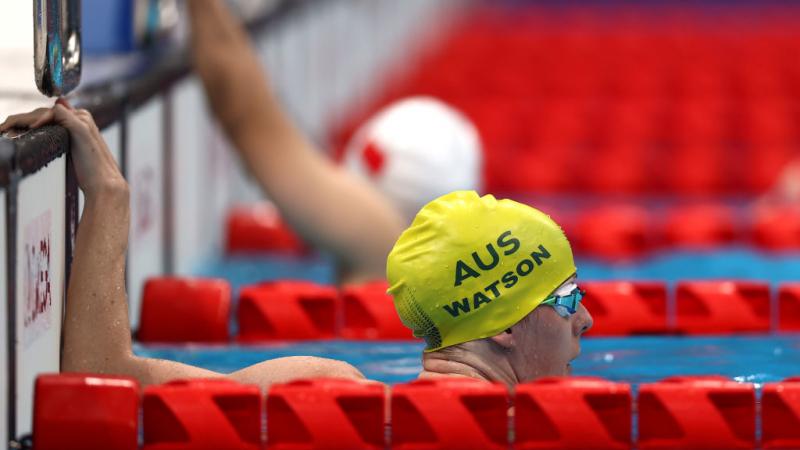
<point x="196" y="225"/>
<point x="3" y="323"/>
<point x="144" y="153"/>
<point x="337" y="39"/>
<point x="220" y="174"/>
<point x="40" y="281"/>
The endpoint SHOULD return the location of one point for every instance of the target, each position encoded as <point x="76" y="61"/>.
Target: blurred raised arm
<point x="326" y="205"/>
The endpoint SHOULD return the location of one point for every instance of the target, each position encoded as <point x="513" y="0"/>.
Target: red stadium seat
<point x="780" y="415"/>
<point x="789" y="307"/>
<point x="609" y="176"/>
<point x="700" y="226"/>
<point x="696" y="169"/>
<point x="326" y="414"/>
<point x="369" y="313"/>
<point x="85" y="412"/>
<point x="626" y="307"/>
<point x="615" y="232"/>
<point x="260" y="229"/>
<point x="563" y="124"/>
<point x="288" y="310"/>
<point x="713" y="307"/>
<point x="700" y="413"/>
<point x="777" y="228"/>
<point x="548" y="412"/>
<point x="202" y="414"/>
<point x="185" y="310"/>
<point x="761" y="167"/>
<point x="527" y="171"/>
<point x="768" y="124"/>
<point x="697" y="122"/>
<point x="629" y="124"/>
<point x="449" y="413"/>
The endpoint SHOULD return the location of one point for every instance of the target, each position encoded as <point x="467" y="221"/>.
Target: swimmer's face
<point x="546" y="342"/>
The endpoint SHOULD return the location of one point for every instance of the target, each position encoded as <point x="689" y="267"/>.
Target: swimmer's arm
<point x="97" y="336"/>
<point x="96" y="331"/>
<point x="327" y="206"/>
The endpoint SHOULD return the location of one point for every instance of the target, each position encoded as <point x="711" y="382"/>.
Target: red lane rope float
<point x="326" y="414"/>
<point x="202" y="414"/>
<point x="698" y="413"/>
<point x="789" y="307"/>
<point x="549" y="412"/>
<point x="80" y="411"/>
<point x="172" y="308"/>
<point x="777" y="228"/>
<point x="85" y="412"/>
<point x="449" y="413"/>
<point x="369" y="313"/>
<point x="713" y="307"/>
<point x="780" y="415"/>
<point x="701" y="226"/>
<point x="185" y="310"/>
<point x="259" y="228"/>
<point x="615" y="232"/>
<point x="281" y="310"/>
<point x="626" y="307"/>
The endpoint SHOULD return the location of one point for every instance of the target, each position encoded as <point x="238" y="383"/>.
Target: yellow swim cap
<point x="470" y="267"/>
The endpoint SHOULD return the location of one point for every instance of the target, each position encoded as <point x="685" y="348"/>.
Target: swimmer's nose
<point x="584" y="321"/>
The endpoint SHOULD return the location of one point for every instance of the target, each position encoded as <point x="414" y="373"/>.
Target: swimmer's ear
<point x="504" y="339"/>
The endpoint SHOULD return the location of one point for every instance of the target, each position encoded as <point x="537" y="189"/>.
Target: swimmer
<point x="421" y="147"/>
<point x="97" y="335"/>
<point x="490" y="285"/>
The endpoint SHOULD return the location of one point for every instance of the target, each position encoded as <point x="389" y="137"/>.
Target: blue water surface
<point x="756" y="359"/>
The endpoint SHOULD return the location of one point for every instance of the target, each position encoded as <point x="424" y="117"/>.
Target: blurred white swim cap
<point x="416" y="150"/>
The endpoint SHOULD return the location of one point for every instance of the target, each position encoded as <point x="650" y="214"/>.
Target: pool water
<point x="754" y="358"/>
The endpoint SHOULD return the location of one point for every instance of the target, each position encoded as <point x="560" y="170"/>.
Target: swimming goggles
<point x="565" y="305"/>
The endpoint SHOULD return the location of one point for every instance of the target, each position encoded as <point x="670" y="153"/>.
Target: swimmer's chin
<point x="568" y="369"/>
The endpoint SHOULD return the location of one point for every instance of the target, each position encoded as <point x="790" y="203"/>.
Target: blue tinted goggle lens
<point x="569" y="302"/>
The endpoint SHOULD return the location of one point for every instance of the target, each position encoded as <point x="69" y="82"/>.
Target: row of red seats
<point x="576" y="74"/>
<point x="655" y="102"/>
<point x="616" y="232"/>
<point x="574" y="54"/>
<point x="652" y="127"/>
<point x="629" y="148"/>
<point x="611" y="232"/>
<point x="185" y="310"/>
<point x="706" y="412"/>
